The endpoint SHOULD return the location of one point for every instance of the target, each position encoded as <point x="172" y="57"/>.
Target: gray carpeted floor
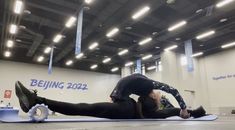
<point x="223" y="123"/>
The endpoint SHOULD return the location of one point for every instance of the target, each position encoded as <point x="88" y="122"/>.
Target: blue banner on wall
<point x="138" y="66"/>
<point x="79" y="33"/>
<point x="189" y="52"/>
<point x="51" y="60"/>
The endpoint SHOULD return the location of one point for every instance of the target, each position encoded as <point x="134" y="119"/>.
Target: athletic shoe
<point x="199" y="112"/>
<point x="18" y="94"/>
<point x="26" y="97"/>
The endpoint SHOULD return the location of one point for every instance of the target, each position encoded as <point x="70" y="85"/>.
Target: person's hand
<point x="184" y="113"/>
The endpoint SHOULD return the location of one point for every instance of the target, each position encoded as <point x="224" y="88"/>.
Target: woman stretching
<point x="122" y="107"/>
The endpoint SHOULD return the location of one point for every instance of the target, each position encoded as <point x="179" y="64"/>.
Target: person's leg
<point x="162" y="113"/>
<point x="122" y="109"/>
<point x="118" y="110"/>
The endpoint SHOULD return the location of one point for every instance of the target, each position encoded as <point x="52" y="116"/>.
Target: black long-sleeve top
<point x="142" y="86"/>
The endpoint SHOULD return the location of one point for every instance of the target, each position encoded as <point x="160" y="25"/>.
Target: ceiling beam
<point x="60" y="12"/>
<point x="42" y="21"/>
<point x="37" y="41"/>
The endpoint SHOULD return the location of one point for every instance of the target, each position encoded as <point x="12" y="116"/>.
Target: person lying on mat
<point x="123" y="107"/>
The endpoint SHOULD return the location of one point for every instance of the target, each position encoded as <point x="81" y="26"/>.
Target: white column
<point x="125" y="71"/>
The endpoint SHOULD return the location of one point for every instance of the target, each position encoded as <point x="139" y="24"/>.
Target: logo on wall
<point x="7" y="94"/>
<point x="44" y="84"/>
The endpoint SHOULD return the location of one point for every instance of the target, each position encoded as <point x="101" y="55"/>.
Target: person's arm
<point x="171" y="90"/>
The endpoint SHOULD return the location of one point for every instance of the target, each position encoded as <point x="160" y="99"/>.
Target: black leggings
<point x="162" y="113"/>
<point x="118" y="110"/>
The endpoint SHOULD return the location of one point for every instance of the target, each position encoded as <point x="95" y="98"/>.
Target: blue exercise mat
<point x="16" y="119"/>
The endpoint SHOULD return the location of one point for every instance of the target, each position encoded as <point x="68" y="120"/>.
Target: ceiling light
<point x="27" y="11"/>
<point x="141" y="12"/>
<point x="115" y="69"/>
<point x="147" y="57"/>
<point x="18" y="7"/>
<point x="79" y="55"/>
<point x="40" y="59"/>
<point x="177" y="39"/>
<point x="13" y="29"/>
<point x="223" y="20"/>
<point x="10" y="43"/>
<point x="7" y="53"/>
<point x="94" y="66"/>
<point x="93" y="46"/>
<point x="128" y="28"/>
<point x="151" y="68"/>
<point x="123" y="52"/>
<point x="154" y="33"/>
<point x="18" y="40"/>
<point x="69" y="62"/>
<point x="112" y="32"/>
<point x="70" y="22"/>
<point x="146" y="40"/>
<point x="171" y="48"/>
<point x="88" y="1"/>
<point x="157" y="47"/>
<point x="57" y="38"/>
<point x="106" y="60"/>
<point x="228" y="45"/>
<point x="197" y="54"/>
<point x="47" y="50"/>
<point x="206" y="34"/>
<point x="129" y="64"/>
<point x="176" y="26"/>
<point x="199" y="10"/>
<point x="223" y="3"/>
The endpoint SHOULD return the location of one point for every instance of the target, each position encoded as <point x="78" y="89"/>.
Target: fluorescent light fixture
<point x="197" y="54"/>
<point x="47" y="50"/>
<point x="18" y="7"/>
<point x="93" y="46"/>
<point x="69" y="62"/>
<point x="146" y="40"/>
<point x="129" y="64"/>
<point x="106" y="60"/>
<point x="205" y="34"/>
<point x="171" y="48"/>
<point x="115" y="69"/>
<point x="112" y="32"/>
<point x="88" y="1"/>
<point x="176" y="26"/>
<point x="141" y="12"/>
<point x="94" y="66"/>
<point x="40" y="59"/>
<point x="151" y="68"/>
<point x="79" y="55"/>
<point x="13" y="29"/>
<point x="228" y="45"/>
<point x="10" y="43"/>
<point x="70" y="22"/>
<point x="57" y="38"/>
<point x="223" y="3"/>
<point x="123" y="52"/>
<point x="147" y="57"/>
<point x="7" y="53"/>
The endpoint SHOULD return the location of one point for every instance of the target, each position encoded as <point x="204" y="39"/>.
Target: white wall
<point x="219" y="70"/>
<point x="100" y="85"/>
<point x="212" y="94"/>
